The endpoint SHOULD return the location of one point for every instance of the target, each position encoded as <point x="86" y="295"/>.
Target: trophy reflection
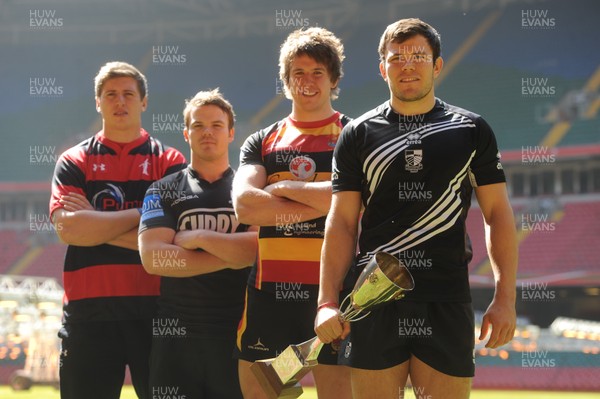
<point x="384" y="279"/>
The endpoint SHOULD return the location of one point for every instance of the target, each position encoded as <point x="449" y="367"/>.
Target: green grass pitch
<point x="310" y="393"/>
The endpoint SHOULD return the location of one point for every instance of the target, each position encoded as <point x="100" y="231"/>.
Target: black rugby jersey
<point x="107" y="282"/>
<point x="208" y="303"/>
<point x="416" y="175"/>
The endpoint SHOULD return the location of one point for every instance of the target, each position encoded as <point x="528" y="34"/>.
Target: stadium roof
<point x="116" y="21"/>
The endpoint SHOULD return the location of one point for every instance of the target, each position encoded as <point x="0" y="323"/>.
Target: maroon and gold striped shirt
<point x="289" y="252"/>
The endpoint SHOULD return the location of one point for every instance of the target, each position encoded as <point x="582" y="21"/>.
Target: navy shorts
<point x="441" y="334"/>
<point x="269" y="325"/>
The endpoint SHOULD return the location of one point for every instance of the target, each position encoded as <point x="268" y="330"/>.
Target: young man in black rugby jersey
<point x="413" y="163"/>
<point x="190" y="236"/>
<point x="97" y="189"/>
<point x="283" y="185"/>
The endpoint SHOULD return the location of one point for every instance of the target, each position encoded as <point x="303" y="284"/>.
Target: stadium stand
<point x="48" y="262"/>
<point x="238" y="53"/>
<point x="571" y="247"/>
<point x="13" y="245"/>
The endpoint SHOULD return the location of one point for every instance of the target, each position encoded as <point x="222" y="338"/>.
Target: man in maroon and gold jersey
<point x="97" y="192"/>
<point x="283" y="185"/>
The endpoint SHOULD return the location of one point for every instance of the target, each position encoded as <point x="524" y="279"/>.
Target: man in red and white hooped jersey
<point x="97" y="193"/>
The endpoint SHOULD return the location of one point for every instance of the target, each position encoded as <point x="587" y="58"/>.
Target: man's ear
<point x="335" y="84"/>
<point x="382" y="70"/>
<point x="438" y="66"/>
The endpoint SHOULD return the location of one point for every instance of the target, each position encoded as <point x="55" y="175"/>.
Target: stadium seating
<point x="48" y="263"/>
<point x="488" y="81"/>
<point x="557" y="378"/>
<point x="572" y="245"/>
<point x="13" y="245"/>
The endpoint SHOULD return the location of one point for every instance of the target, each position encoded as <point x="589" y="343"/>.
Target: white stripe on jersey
<point x="438" y="218"/>
<point x="377" y="163"/>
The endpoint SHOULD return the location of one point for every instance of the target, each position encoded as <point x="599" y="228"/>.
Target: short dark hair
<point x="404" y="29"/>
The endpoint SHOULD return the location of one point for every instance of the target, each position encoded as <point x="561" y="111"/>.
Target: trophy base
<point x="272" y="385"/>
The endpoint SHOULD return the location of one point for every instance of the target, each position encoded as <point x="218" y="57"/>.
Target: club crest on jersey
<point x="413" y="160"/>
<point x="303" y="167"/>
<point x="144" y="165"/>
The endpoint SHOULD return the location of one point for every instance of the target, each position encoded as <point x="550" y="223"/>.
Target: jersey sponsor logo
<point x="303" y="167"/>
<point x="222" y="220"/>
<point x="111" y="199"/>
<point x="299" y="229"/>
<point x="413" y="160"/>
<point x="291" y="225"/>
<point x="151" y="208"/>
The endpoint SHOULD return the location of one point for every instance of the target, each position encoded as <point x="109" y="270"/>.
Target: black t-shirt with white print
<point x="416" y="176"/>
<point x="206" y="304"/>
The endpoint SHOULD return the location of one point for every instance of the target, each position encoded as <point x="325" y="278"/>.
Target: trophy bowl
<point x="384" y="279"/>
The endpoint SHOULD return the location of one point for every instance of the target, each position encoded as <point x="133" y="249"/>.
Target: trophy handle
<point x="349" y="313"/>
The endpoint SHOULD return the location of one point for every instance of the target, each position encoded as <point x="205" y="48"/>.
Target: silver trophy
<point x="384" y="279"/>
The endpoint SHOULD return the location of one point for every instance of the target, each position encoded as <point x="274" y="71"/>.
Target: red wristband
<point x="327" y="305"/>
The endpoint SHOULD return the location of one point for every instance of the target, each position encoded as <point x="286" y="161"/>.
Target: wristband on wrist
<point x="327" y="305"/>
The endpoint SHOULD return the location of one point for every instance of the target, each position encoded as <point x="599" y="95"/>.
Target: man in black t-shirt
<point x="413" y="163"/>
<point x="190" y="236"/>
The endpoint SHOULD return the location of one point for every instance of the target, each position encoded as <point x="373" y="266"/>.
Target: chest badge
<point x="144" y="166"/>
<point x="303" y="167"/>
<point x="413" y="160"/>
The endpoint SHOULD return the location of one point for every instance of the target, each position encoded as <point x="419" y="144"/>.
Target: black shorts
<point x="269" y="325"/>
<point x="94" y="355"/>
<point x="441" y="334"/>
<point x="194" y="367"/>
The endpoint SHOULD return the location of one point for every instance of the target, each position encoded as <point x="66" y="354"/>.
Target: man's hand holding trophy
<point x="384" y="279"/>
